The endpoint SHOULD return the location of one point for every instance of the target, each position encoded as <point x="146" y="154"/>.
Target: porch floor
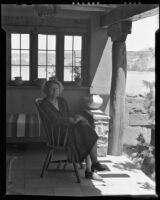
<point x="123" y="178"/>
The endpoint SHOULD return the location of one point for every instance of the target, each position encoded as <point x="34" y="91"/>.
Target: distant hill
<point x="143" y="60"/>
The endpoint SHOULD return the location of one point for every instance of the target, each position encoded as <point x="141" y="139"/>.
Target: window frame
<point x="33" y="52"/>
<point x="9" y="65"/>
<point x="72" y="83"/>
<point x="47" y="33"/>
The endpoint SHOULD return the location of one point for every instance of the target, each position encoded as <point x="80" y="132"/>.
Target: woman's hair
<point x="48" y="83"/>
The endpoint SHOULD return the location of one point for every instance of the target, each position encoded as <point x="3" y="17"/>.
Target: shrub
<point x="149" y="102"/>
<point x="144" y="157"/>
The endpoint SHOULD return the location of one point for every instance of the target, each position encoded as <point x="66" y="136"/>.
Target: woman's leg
<point x="88" y="173"/>
<point x="95" y="164"/>
<point x="93" y="153"/>
<point x="88" y="163"/>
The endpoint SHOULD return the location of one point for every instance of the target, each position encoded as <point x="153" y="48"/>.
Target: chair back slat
<point x="65" y="138"/>
<point x="44" y="119"/>
<point x="56" y="135"/>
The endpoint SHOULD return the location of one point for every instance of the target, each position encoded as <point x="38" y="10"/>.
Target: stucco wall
<point x="22" y="100"/>
<point x="137" y="121"/>
<point x="99" y="61"/>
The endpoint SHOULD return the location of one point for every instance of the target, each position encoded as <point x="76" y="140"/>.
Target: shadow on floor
<point x="115" y="175"/>
<point x="146" y="185"/>
<point x="26" y="176"/>
<point x="125" y="166"/>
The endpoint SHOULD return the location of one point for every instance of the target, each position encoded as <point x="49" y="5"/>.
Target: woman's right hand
<point x="71" y="120"/>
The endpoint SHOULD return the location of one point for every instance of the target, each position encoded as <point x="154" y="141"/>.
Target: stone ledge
<point x="132" y="132"/>
<point x="138" y="119"/>
<point x="102" y="150"/>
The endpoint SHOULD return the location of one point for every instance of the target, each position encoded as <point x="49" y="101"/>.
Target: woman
<point x="82" y="138"/>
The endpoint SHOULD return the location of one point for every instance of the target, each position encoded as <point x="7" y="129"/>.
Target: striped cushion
<point x="24" y="125"/>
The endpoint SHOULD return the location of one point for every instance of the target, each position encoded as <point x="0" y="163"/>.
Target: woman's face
<point x="54" y="90"/>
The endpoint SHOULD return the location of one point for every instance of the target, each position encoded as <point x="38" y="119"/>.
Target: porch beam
<point x="118" y="34"/>
<point x="129" y="12"/>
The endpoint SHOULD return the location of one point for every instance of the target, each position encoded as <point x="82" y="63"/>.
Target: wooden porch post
<point x="118" y="33"/>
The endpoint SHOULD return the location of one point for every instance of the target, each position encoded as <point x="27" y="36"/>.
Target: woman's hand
<point x="71" y="120"/>
<point x="78" y="118"/>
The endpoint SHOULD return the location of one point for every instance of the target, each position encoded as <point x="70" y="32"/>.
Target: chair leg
<point x="49" y="161"/>
<point x="76" y="171"/>
<point x="46" y="163"/>
<point x="65" y="164"/>
<point x="58" y="165"/>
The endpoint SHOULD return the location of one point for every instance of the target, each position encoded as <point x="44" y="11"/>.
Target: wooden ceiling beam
<point x="130" y="12"/>
<point x="87" y="7"/>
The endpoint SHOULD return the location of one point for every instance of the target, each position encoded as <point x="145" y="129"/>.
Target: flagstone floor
<point x="123" y="178"/>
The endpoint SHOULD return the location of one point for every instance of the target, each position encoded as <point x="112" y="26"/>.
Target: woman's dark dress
<point x="81" y="137"/>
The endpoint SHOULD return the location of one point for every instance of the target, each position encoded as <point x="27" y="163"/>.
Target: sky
<point x="143" y="34"/>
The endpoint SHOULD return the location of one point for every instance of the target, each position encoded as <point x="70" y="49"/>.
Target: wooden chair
<point x="54" y="141"/>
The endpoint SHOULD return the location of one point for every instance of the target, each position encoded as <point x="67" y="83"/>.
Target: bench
<point x="22" y="127"/>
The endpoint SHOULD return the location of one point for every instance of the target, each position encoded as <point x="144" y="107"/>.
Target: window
<point x="20" y="56"/>
<point x="72" y="57"/>
<point x="35" y="55"/>
<point x="46" y="56"/>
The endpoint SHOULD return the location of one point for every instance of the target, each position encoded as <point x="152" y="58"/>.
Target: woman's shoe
<point x="98" y="167"/>
<point x="93" y="176"/>
<point x="88" y="174"/>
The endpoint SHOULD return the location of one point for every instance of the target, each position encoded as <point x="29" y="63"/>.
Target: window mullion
<point x="33" y="56"/>
<point x="60" y="54"/>
<point x="46" y="54"/>
<point x="20" y="54"/>
<point x="8" y="61"/>
<point x="72" y="56"/>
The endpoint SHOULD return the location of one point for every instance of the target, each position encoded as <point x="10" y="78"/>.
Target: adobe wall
<point x="136" y="120"/>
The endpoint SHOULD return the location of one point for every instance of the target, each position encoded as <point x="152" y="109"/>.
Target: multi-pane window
<point x="20" y="56"/>
<point x="72" y="57"/>
<point x="46" y="55"/>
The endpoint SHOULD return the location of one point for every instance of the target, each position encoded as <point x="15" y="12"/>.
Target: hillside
<point x="141" y="60"/>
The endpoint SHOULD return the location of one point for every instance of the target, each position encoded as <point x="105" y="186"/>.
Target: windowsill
<point x="39" y="87"/>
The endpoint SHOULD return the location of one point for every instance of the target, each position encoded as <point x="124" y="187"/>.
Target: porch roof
<point x="110" y="13"/>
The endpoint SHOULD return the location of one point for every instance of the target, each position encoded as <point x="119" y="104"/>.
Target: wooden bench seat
<point x="22" y="127"/>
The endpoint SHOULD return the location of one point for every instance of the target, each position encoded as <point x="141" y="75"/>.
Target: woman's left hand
<point x="78" y="118"/>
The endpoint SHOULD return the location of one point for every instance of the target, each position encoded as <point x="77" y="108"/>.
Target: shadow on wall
<point x="101" y="65"/>
<point x="99" y="48"/>
<point x="105" y="106"/>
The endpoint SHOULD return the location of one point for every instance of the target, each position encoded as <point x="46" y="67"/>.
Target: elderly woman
<point x="82" y="138"/>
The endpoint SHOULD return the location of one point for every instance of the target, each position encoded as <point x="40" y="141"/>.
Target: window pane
<point x="25" y="72"/>
<point x="15" y="57"/>
<point x="24" y="57"/>
<point x="77" y="42"/>
<point x="51" y="58"/>
<point x="24" y="41"/>
<point x="15" y="41"/>
<point x="51" y="71"/>
<point x="78" y="62"/>
<point x="76" y="71"/>
<point x="15" y="71"/>
<point x="68" y="58"/>
<point x="68" y="42"/>
<point x="51" y="42"/>
<point x="41" y="41"/>
<point x="68" y="74"/>
<point x="77" y="58"/>
<point x="41" y="71"/>
<point x="41" y="57"/>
